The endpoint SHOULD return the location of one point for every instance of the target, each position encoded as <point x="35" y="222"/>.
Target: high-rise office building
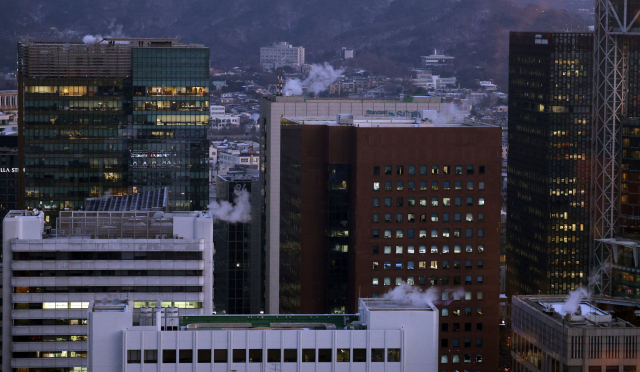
<point x="550" y="106"/>
<point x="281" y="54"/>
<point x="117" y="116"/>
<point x="239" y="258"/>
<point x="50" y="280"/>
<point x="366" y="203"/>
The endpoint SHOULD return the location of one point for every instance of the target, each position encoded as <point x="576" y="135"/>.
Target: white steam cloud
<point x="319" y="79"/>
<point x="573" y="301"/>
<point x="238" y="212"/>
<point x="408" y="294"/>
<point x="90" y="39"/>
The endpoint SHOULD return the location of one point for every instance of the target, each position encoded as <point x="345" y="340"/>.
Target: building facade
<point x="546" y="337"/>
<point x="50" y="280"/>
<point x="120" y="115"/>
<point x="382" y="337"/>
<point x="550" y="103"/>
<point x="281" y="54"/>
<point x="239" y="257"/>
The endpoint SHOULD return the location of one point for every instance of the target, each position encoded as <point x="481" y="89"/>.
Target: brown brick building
<point x="375" y="202"/>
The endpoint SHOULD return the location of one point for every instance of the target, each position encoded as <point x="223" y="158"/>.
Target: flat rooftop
<point x="378" y="304"/>
<point x="260" y="321"/>
<point x="380" y="123"/>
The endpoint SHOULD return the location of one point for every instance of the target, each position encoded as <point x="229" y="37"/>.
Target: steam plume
<point x="573" y="301"/>
<point x="412" y="295"/>
<point x="319" y="79"/>
<point x="90" y="39"/>
<point x="238" y="212"/>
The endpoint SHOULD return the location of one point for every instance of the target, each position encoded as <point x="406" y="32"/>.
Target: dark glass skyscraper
<point x="118" y="116"/>
<point x="550" y="98"/>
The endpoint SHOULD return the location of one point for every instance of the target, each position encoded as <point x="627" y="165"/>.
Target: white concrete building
<point x="230" y="158"/>
<point x="49" y="280"/>
<point x="434" y="82"/>
<point x="385" y="336"/>
<point x="436" y="59"/>
<point x="220" y="120"/>
<point x="281" y="54"/>
<point x="550" y="334"/>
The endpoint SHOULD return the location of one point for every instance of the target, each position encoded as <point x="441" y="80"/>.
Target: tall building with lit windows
<point x="115" y="116"/>
<point x="550" y="108"/>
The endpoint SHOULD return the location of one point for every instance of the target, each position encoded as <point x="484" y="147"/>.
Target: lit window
<point x="398" y="217"/>
<point x="434" y="185"/>
<point x="434" y="217"/>
<point x="410" y="249"/>
<point x="387" y="186"/>
<point x="411" y="202"/>
<point x="410" y="280"/>
<point x="375" y="265"/>
<point x="469" y="185"/>
<point x="434" y="248"/>
<point x="458" y="169"/>
<point x="480" y="248"/>
<point x="457" y="185"/>
<point x="387" y="280"/>
<point x="386" y="265"/>
<point x="400" y="169"/>
<point x="445" y="312"/>
<point x="398" y="265"/>
<point x="446" y="185"/>
<point x="457" y="248"/>
<point x="480" y="201"/>
<point x="376" y="186"/>
<point x="387" y="170"/>
<point x="398" y="249"/>
<point x="469" y="217"/>
<point x="376" y="217"/>
<point x="434" y="202"/>
<point x="422" y="234"/>
<point x="434" y="170"/>
<point x="469" y="248"/>
<point x="434" y="233"/>
<point x="374" y="281"/>
<point x="480" y="296"/>
<point x="446" y="202"/>
<point x="399" y="234"/>
<point x="387" y="249"/>
<point x="399" y="186"/>
<point x="434" y="264"/>
<point x="411" y="217"/>
<point x="398" y="280"/>
<point x="467" y="295"/>
<point x="445" y="248"/>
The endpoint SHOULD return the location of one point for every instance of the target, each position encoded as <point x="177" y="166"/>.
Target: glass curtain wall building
<point x="549" y="164"/>
<point x="119" y="116"/>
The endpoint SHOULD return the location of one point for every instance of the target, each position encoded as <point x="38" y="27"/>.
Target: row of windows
<point x="110" y="289"/>
<point x="272" y="356"/>
<point x="435" y="201"/>
<point x="85" y="305"/>
<point x="422" y="249"/>
<point x="455" y="342"/>
<point x="446" y="233"/>
<point x="386" y="281"/>
<point x="49" y="338"/>
<point x="118" y="255"/>
<point x="423" y="217"/>
<point x="422" y="265"/>
<point x="457" y="311"/>
<point x="455" y="358"/>
<point x="435" y="169"/>
<point x="435" y="186"/>
<point x="75" y="273"/>
<point x="444" y="327"/>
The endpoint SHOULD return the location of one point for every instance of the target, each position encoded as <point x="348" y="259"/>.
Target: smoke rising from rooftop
<point x="412" y="295"/>
<point x="232" y="213"/>
<point x="319" y="79"/>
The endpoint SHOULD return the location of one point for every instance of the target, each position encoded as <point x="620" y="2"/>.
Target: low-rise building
<point x="385" y="335"/>
<point x="281" y="54"/>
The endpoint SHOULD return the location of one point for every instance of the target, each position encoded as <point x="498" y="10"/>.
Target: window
<point x="376" y="170"/>
<point x="423" y="169"/>
<point x="375" y="249"/>
<point x="343" y="355"/>
<point x="480" y="217"/>
<point x="239" y="356"/>
<point x="456" y="233"/>
<point x="410" y="265"/>
<point x="399" y="202"/>
<point x="422" y="233"/>
<point x="387" y="217"/>
<point x="480" y="201"/>
<point x="375" y="281"/>
<point x="387" y="186"/>
<point x="434" y="264"/>
<point x="445" y="248"/>
<point x="446" y="202"/>
<point x="445" y="296"/>
<point x="375" y="265"/>
<point x="400" y="169"/>
<point x="469" y="201"/>
<point x="480" y="233"/>
<point x="411" y="233"/>
<point x="467" y="311"/>
<point x="387" y="234"/>
<point x="481" y="169"/>
<point x="376" y="186"/>
<point x="398" y="280"/>
<point x="387" y="202"/>
<point x="457" y="185"/>
<point x="359" y="355"/>
<point x="456" y="342"/>
<point x="398" y="217"/>
<point x="467" y="295"/>
<point x="444" y="327"/>
<point x="444" y="343"/>
<point x="445" y="264"/>
<point x="445" y="311"/>
<point x="393" y="355"/>
<point x="434" y="170"/>
<point x="376" y="234"/>
<point x="377" y="355"/>
<point x="151" y="356"/>
<point x="456" y="280"/>
<point x="469" y="185"/>
<point x="399" y="234"/>
<point x="456" y="264"/>
<point x="434" y="217"/>
<point x="411" y="217"/>
<point x="133" y="356"/>
<point x="456" y="327"/>
<point x="411" y="185"/>
<point x="309" y="355"/>
<point x="423" y="185"/>
<point x="387" y="249"/>
<point x="479" y="296"/>
<point x="434" y="202"/>
<point x="423" y="202"/>
<point x="273" y="356"/>
<point x="434" y="248"/>
<point x="433" y="280"/>
<point x="479" y="358"/>
<point x="434" y="233"/>
<point x="468" y="264"/>
<point x="186" y="356"/>
<point x="446" y="169"/>
<point x="458" y="169"/>
<point x="478" y="327"/>
<point x="411" y="202"/>
<point x="480" y="264"/>
<point x="169" y="356"/>
<point x="469" y="169"/>
<point x="467" y="280"/>
<point x="324" y="355"/>
<point x="434" y="185"/>
<point x="387" y="280"/>
<point x="412" y="169"/>
<point x="399" y="186"/>
<point x="410" y="249"/>
<point x="457" y="201"/>
<point x="456" y="311"/>
<point x="469" y="217"/>
<point x="220" y="356"/>
<point x="445" y="217"/>
<point x="468" y="248"/>
<point x="376" y="217"/>
<point x="457" y="248"/>
<point x="376" y="202"/>
<point x="480" y="279"/>
<point x="481" y="185"/>
<point x="387" y="170"/>
<point x="444" y="358"/>
<point x="387" y="265"/>
<point x="468" y="233"/>
<point x="480" y="248"/>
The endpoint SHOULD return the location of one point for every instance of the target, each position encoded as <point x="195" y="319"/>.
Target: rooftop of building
<point x="382" y="304"/>
<point x="427" y="121"/>
<point x="260" y="321"/>
<point x="155" y="200"/>
<point x="137" y="42"/>
<point x="595" y="311"/>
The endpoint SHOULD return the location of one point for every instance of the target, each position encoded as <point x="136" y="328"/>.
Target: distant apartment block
<point x="8" y="101"/>
<point x="281" y="54"/>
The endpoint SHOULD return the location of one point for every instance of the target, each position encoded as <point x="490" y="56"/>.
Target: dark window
<point x="220" y="356"/>
<point x="444" y="327"/>
<point x="376" y="235"/>
<point x="376" y="249"/>
<point x="376" y="170"/>
<point x="255" y="356"/>
<point x="456" y="342"/>
<point x="479" y="327"/>
<point x="324" y="355"/>
<point x="458" y="169"/>
<point x="393" y="355"/>
<point x="185" y="355"/>
<point x="387" y="169"/>
<point x="204" y="356"/>
<point x="467" y="327"/>
<point x="359" y="355"/>
<point x="469" y="169"/>
<point x="133" y="356"/>
<point x="399" y="202"/>
<point x="456" y="327"/>
<point x="400" y="169"/>
<point x="412" y="169"/>
<point x="290" y="355"/>
<point x="309" y="355"/>
<point x="168" y="356"/>
<point x="377" y="355"/>
<point x="239" y="355"/>
<point x="481" y="169"/>
<point x="422" y="280"/>
<point x="479" y="342"/>
<point x="444" y="342"/>
<point x="467" y="342"/>
<point x="423" y="169"/>
<point x="151" y="356"/>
